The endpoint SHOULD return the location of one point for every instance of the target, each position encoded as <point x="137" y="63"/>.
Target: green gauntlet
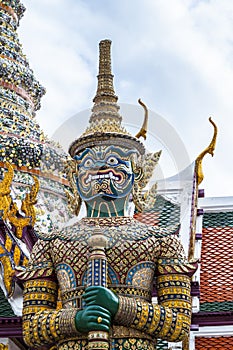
<point x="97" y="295"/>
<point x="93" y="318"/>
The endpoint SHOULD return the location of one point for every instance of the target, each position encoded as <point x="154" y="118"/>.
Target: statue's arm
<point x="43" y="324"/>
<point x="170" y="318"/>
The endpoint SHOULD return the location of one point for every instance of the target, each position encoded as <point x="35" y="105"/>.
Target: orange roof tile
<point x="213" y="343"/>
<point x="217" y="265"/>
<point x="163" y="214"/>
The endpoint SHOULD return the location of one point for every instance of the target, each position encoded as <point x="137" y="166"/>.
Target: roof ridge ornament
<point x="210" y="149"/>
<point x="143" y="130"/>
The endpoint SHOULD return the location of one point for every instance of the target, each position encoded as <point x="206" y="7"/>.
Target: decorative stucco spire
<point x="20" y="93"/>
<point x="105" y="100"/>
<point x="14" y="8"/>
<point x="21" y="138"/>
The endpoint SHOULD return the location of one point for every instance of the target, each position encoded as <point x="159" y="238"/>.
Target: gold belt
<point x="116" y="332"/>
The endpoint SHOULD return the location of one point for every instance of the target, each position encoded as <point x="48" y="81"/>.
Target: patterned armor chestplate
<point x="131" y="256"/>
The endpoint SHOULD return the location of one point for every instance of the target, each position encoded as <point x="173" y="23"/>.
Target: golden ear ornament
<point x="73" y="198"/>
<point x="146" y="200"/>
<point x="137" y="170"/>
<point x="210" y="149"/>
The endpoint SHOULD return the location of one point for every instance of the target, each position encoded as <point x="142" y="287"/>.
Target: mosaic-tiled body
<point x="137" y="256"/>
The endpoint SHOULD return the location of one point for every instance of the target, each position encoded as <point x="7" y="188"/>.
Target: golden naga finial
<point x="27" y="207"/>
<point x="143" y="130"/>
<point x="30" y="200"/>
<point x="5" y="190"/>
<point x="18" y="222"/>
<point x="210" y="149"/>
<point x="5" y="204"/>
<point x="10" y="252"/>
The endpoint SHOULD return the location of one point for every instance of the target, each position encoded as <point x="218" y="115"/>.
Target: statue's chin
<point x="106" y="194"/>
<point x="102" y="195"/>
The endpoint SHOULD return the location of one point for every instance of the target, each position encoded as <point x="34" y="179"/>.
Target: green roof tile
<point x="221" y="219"/>
<point x="5" y="307"/>
<point x="217" y="306"/>
<point x="165" y="213"/>
<point x="169" y="212"/>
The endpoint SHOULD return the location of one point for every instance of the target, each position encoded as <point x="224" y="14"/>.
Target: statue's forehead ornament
<point x="105" y="122"/>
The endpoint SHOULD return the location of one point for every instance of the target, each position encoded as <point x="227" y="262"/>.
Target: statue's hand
<point x="93" y="318"/>
<point x="97" y="295"/>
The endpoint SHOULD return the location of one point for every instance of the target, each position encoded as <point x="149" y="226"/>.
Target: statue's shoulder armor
<point x="66" y="233"/>
<point x="135" y="230"/>
<point x="163" y="232"/>
<point x="40" y="263"/>
<point x="46" y="236"/>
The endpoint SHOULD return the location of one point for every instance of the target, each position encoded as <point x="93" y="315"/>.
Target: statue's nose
<point x="100" y="164"/>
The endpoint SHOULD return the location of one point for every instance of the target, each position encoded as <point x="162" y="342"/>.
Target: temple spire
<point x="20" y="94"/>
<point x="105" y="100"/>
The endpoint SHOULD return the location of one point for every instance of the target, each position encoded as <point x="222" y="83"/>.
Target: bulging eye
<point x="88" y="163"/>
<point x="112" y="161"/>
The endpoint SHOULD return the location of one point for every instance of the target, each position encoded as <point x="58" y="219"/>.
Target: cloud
<point x="176" y="56"/>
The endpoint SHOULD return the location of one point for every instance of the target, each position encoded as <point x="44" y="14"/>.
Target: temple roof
<point x="217" y="262"/>
<point x="163" y="214"/>
<point x="209" y="343"/>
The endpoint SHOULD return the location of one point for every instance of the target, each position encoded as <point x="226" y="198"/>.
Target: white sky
<point x="176" y="55"/>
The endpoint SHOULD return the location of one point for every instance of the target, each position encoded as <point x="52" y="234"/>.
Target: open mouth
<point x="104" y="174"/>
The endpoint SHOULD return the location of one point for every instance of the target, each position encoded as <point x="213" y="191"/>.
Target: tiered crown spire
<point x="105" y="100"/>
<point x="105" y="121"/>
<point x="105" y="89"/>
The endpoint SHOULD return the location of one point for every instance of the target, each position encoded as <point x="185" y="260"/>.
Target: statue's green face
<point x="105" y="171"/>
